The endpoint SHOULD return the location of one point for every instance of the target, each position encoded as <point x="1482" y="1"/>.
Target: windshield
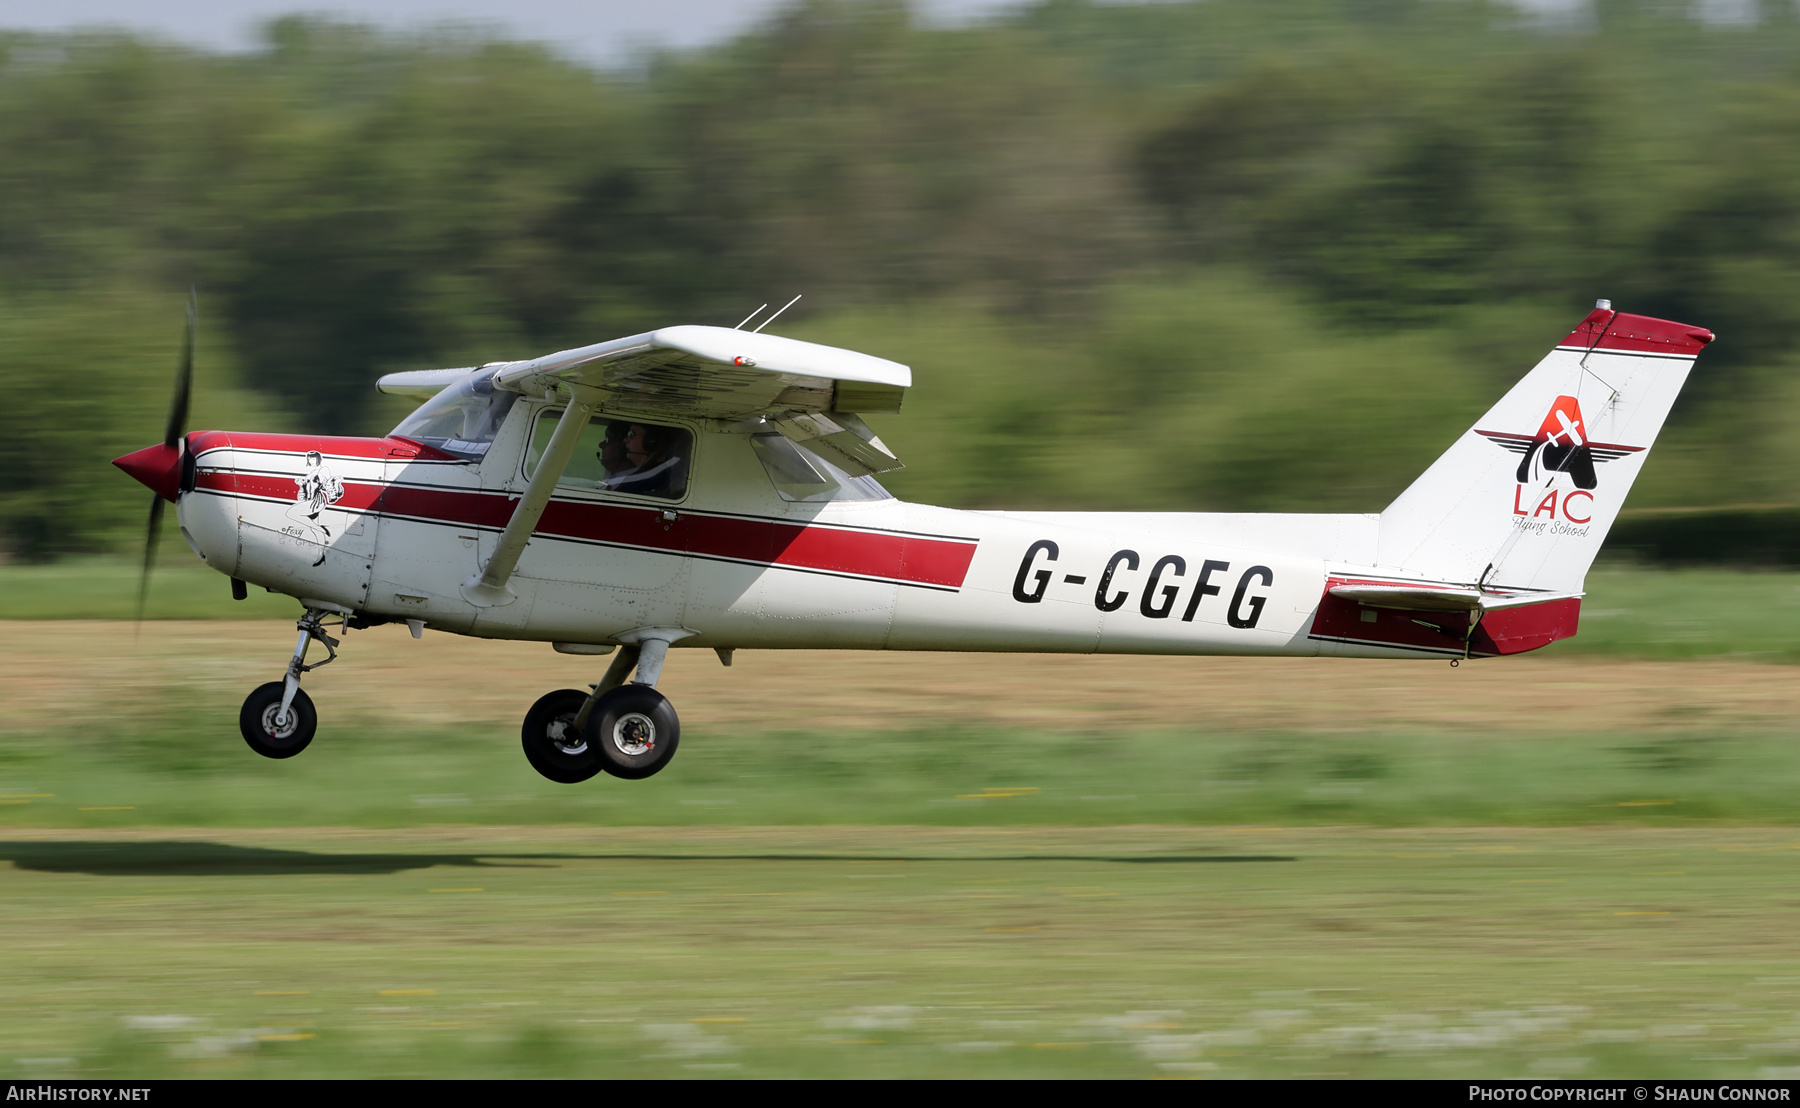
<point x="461" y="420"/>
<point x="804" y="477"/>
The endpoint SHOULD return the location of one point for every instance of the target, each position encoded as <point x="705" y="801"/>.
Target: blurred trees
<point x="1206" y="255"/>
<point x="90" y="376"/>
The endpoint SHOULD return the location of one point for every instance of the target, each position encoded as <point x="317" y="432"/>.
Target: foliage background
<point x="1207" y="255"/>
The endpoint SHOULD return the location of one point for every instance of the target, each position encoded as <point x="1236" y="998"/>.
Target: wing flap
<point x="841" y="438"/>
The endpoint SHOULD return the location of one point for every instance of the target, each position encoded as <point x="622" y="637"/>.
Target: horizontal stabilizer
<point x="1440" y="618"/>
<point x="1448" y="598"/>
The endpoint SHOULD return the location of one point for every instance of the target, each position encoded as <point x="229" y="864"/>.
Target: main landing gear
<point x="626" y="730"/>
<point x="278" y="720"/>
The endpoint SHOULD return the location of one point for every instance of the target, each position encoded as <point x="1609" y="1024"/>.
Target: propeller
<point x="178" y="413"/>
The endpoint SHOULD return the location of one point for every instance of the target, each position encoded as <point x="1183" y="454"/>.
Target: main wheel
<point x="552" y="745"/>
<point x="284" y="740"/>
<point x="635" y="731"/>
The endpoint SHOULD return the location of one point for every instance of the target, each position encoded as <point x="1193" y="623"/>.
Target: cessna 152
<point x="713" y="487"/>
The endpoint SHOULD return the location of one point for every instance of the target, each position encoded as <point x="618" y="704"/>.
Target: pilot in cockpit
<point x="657" y="467"/>
<point x="611" y="453"/>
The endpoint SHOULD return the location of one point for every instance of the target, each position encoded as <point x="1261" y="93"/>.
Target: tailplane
<point x="1525" y="497"/>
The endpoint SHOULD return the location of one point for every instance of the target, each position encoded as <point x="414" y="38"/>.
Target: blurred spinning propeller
<point x="159" y="467"/>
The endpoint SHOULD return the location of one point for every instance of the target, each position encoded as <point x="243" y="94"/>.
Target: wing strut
<point x="489" y="588"/>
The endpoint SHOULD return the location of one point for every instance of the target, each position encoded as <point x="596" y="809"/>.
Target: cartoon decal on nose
<point x="319" y="489"/>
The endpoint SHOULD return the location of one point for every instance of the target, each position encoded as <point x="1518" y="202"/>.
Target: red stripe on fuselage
<point x="889" y="555"/>
<point x="885" y="554"/>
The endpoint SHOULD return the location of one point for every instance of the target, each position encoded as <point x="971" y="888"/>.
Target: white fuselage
<point x="356" y="524"/>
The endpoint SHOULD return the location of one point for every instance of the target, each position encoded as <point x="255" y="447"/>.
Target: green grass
<point x="950" y="901"/>
<point x="1639" y="612"/>
<point x="858" y="952"/>
<point x="184" y="766"/>
<point x="106" y="587"/>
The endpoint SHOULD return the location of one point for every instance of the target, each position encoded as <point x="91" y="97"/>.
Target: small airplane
<point x="715" y="487"/>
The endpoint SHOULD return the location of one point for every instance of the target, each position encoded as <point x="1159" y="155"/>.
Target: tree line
<point x="1217" y="255"/>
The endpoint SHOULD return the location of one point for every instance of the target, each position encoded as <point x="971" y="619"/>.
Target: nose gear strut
<point x="278" y="719"/>
<point x="312" y="626"/>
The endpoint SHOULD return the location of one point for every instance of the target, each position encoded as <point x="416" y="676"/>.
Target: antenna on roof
<point x="771" y="319"/>
<point x="749" y="317"/>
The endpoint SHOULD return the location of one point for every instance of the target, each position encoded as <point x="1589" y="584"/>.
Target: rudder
<point x="1526" y="496"/>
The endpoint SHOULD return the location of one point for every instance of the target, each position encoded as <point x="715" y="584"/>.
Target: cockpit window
<point x="620" y="455"/>
<point x="461" y="420"/>
<point x="801" y="476"/>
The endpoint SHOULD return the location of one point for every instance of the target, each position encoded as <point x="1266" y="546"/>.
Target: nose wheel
<point x="271" y="733"/>
<point x="277" y="719"/>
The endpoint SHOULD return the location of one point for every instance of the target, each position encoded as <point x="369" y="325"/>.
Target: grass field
<point x="1247" y="951"/>
<point x="181" y="587"/>
<point x="1576" y="863"/>
<point x="425" y="733"/>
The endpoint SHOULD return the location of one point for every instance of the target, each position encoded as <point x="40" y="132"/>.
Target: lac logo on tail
<point x="1561" y="445"/>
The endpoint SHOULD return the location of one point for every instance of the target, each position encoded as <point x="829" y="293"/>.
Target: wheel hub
<point x="634" y="734"/>
<point x="565" y="738"/>
<point x="277" y="726"/>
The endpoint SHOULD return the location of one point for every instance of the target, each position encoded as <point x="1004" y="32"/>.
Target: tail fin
<point x="1527" y="495"/>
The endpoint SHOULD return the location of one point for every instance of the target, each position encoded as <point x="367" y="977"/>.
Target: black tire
<point x="543" y="737"/>
<point x="634" y="731"/>
<point x="257" y="721"/>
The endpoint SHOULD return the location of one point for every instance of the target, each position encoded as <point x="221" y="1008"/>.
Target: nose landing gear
<point x="629" y="731"/>
<point x="277" y="719"/>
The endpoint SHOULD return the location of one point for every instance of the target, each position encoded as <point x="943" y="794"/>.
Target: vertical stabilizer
<point x="1526" y="496"/>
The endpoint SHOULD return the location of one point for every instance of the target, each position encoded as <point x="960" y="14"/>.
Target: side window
<point x="802" y="476"/>
<point x="620" y="455"/>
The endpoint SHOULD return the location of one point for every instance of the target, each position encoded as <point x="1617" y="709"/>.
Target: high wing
<point x="718" y="373"/>
<point x="421" y="384"/>
<point x="806" y="392"/>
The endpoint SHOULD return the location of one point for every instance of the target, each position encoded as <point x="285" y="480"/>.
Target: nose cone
<point x="157" y="467"/>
